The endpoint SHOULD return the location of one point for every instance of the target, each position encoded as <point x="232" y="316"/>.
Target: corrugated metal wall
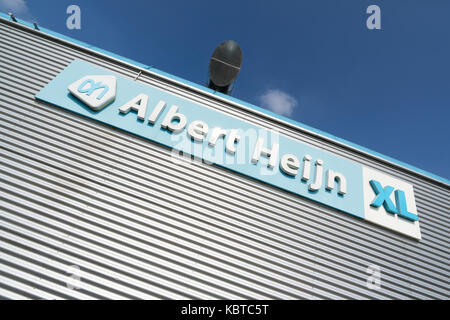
<point x="76" y="192"/>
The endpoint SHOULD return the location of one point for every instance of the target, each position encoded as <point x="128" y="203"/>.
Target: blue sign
<point x="214" y="136"/>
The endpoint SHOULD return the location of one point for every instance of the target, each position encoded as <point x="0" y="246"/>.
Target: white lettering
<point x="318" y="180"/>
<point x="169" y="124"/>
<point x="232" y="139"/>
<point x="156" y="112"/>
<point x="138" y="104"/>
<point x="271" y="154"/>
<point x="215" y="135"/>
<point x="289" y="164"/>
<point x="339" y="177"/>
<point x="306" y="167"/>
<point x="197" y="130"/>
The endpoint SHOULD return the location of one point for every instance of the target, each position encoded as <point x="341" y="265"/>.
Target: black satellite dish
<point x="224" y="66"/>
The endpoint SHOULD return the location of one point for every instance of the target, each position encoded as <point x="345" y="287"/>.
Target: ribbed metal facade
<point x="76" y="192"/>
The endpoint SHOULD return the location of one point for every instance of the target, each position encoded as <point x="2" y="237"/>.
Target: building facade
<point x="93" y="210"/>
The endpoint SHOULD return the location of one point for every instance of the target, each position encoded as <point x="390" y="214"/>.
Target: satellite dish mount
<point x="224" y="66"/>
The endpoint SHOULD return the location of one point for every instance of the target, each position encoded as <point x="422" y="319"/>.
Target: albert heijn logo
<point x="96" y="91"/>
<point x="390" y="202"/>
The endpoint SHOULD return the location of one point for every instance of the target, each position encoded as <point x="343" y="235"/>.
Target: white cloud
<point x="279" y="102"/>
<point x="14" y="6"/>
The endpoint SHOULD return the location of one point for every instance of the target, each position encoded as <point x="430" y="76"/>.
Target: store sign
<point x="219" y="138"/>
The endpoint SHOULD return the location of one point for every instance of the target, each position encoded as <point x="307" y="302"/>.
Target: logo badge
<point x="95" y="91"/>
<point x="390" y="202"/>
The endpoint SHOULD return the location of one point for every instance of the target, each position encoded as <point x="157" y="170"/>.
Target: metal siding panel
<point x="140" y="226"/>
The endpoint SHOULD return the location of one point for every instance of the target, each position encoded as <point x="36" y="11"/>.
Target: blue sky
<point x="314" y="61"/>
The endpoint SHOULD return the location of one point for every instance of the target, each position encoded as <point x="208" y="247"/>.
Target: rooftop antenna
<point x="224" y="66"/>
<point x="12" y="16"/>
